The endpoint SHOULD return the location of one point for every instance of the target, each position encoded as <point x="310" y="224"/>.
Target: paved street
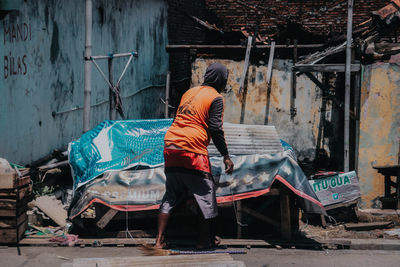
<point x="50" y="256"/>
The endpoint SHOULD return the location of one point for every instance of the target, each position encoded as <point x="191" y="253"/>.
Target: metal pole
<point x="167" y="94"/>
<point x="135" y="54"/>
<point x="357" y="91"/>
<point x="111" y="95"/>
<point x="347" y="85"/>
<point x="88" y="53"/>
<point x="293" y="110"/>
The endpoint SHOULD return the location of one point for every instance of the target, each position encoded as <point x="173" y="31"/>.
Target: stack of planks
<point x="15" y="193"/>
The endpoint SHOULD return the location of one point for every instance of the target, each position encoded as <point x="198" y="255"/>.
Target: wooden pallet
<point x="120" y="242"/>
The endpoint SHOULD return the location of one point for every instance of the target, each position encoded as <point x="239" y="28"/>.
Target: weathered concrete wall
<point x="42" y="48"/>
<point x="379" y="127"/>
<point x="314" y="122"/>
<point x="301" y="132"/>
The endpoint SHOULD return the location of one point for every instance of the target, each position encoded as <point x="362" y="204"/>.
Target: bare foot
<point x="160" y="243"/>
<point x="217" y="241"/>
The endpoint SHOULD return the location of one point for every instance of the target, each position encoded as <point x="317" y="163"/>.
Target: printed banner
<point x="339" y="188"/>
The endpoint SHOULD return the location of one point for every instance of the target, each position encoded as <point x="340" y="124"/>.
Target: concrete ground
<point x="55" y="256"/>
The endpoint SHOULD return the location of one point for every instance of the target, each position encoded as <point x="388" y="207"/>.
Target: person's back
<point x="190" y="129"/>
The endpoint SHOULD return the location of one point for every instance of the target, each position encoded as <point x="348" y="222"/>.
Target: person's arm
<point x="217" y="133"/>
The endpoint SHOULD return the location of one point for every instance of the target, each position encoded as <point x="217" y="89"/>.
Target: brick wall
<point x="183" y="30"/>
<point x="318" y="16"/>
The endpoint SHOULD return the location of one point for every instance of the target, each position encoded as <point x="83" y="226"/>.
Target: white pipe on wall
<point x="88" y="53"/>
<point x="347" y="86"/>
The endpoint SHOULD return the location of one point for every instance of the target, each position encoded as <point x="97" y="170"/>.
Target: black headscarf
<point x="216" y="76"/>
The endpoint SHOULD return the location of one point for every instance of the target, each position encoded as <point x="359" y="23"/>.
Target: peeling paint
<point x="53" y="81"/>
<point x="379" y="127"/>
<point x="302" y="132"/>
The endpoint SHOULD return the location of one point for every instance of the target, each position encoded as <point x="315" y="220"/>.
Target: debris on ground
<point x="394" y="232"/>
<point x="52" y="208"/>
<point x="367" y="226"/>
<point x="57" y="235"/>
<point x="378" y="215"/>
<point x="65" y="240"/>
<point x="340" y="231"/>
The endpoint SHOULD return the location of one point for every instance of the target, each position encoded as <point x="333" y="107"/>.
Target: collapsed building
<point x="307" y="109"/>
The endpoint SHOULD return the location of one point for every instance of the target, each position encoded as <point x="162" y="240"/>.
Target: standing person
<point x="187" y="166"/>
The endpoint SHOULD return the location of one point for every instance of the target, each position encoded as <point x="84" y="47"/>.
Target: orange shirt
<point x="189" y="130"/>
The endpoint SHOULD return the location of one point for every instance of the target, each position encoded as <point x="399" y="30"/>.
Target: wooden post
<point x="241" y="85"/>
<point x="323" y="221"/>
<point x="239" y="219"/>
<point x="259" y="216"/>
<point x="269" y="76"/>
<point x="106" y="218"/>
<point x="286" y="228"/>
<point x="112" y="112"/>
<point x="246" y="64"/>
<point x="347" y="86"/>
<point x="167" y="95"/>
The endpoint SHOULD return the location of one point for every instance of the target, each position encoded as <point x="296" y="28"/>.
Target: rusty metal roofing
<point x="388" y="10"/>
<point x="243" y="139"/>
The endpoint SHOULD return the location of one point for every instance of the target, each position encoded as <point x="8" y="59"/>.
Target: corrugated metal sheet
<point x="388" y="12"/>
<point x="243" y="139"/>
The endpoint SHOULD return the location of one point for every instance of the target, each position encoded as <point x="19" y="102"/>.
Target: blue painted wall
<point x="41" y="83"/>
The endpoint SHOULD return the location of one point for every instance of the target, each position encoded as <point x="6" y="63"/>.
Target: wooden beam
<point x="341" y="205"/>
<point x="323" y="88"/>
<point x="286" y="227"/>
<point x="107" y="217"/>
<point x="269" y="76"/>
<point x="270" y="62"/>
<point x="259" y="216"/>
<point x="246" y="64"/>
<point x="325" y="67"/>
<point x="367" y="226"/>
<point x="308" y="243"/>
<point x="323" y="221"/>
<point x="177" y="47"/>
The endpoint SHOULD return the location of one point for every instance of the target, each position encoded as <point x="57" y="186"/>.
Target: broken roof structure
<point x="311" y="37"/>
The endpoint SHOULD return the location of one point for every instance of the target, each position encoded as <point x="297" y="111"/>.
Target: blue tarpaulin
<point x="117" y="145"/>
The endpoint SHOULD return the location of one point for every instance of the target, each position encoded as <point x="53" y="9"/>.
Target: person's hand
<point x="228" y="165"/>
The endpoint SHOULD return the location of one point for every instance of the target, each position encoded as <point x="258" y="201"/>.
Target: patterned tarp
<point x="120" y="164"/>
<point x="117" y="145"/>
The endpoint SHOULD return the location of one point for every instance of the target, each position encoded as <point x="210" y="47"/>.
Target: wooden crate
<point x="13" y="235"/>
<point x="13" y="206"/>
<point x="12" y="181"/>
